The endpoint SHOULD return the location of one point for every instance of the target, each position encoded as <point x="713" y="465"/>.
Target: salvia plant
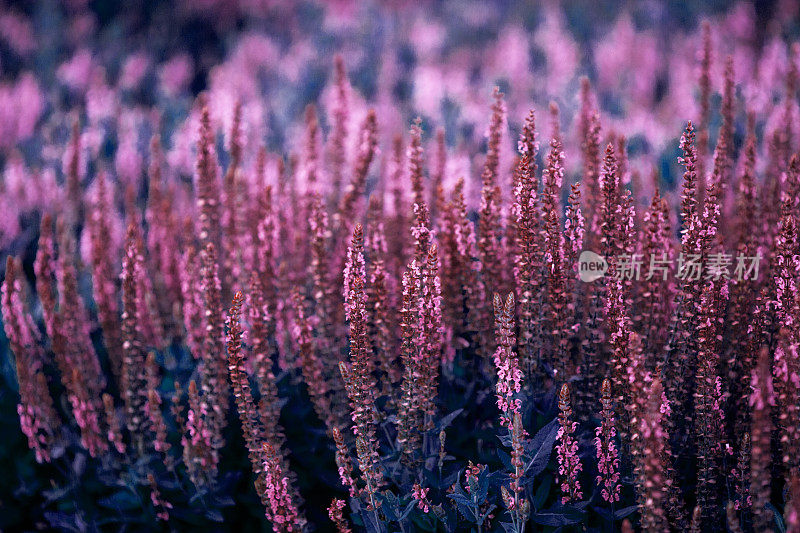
<point x="396" y="268"/>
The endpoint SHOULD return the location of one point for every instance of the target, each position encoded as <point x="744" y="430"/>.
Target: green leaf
<point x="122" y="500"/>
<point x="778" y="518"/>
<point x="447" y="420"/>
<point x="558" y="516"/>
<point x="541" y="492"/>
<point x="622" y="513"/>
<point x="541" y="447"/>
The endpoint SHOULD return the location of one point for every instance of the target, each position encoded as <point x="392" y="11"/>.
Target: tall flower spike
<point x="152" y="408"/>
<point x="72" y="313"/>
<point x="354" y="268"/>
<point x="489" y="218"/>
<point x="44" y="267"/>
<point x="380" y="319"/>
<point x="509" y="375"/>
<point x="462" y="288"/>
<point x="37" y="416"/>
<point x="527" y="263"/>
<point x="727" y="109"/>
<point x="213" y="373"/>
<point x="656" y="294"/>
<point x="588" y="107"/>
<point x="80" y="366"/>
<point x="199" y="455"/>
<point x="360" y="390"/>
<point x="421" y="232"/>
<point x="590" y="149"/>
<point x="762" y="399"/>
<point x="416" y="162"/>
<point x="573" y="245"/>
<point x="785" y="268"/>
<point x="192" y="296"/>
<point x="555" y="121"/>
<point x="114" y="427"/>
<point x="231" y="232"/>
<point x="554" y="262"/>
<point x="710" y="215"/>
<point x="207" y="182"/>
<point x="281" y="509"/>
<point x="569" y="464"/>
<point x="515" y="501"/>
<point x="238" y="376"/>
<point x="269" y="406"/>
<point x="310" y="364"/>
<point x="741" y="475"/>
<point x="359" y="381"/>
<point x="241" y="391"/>
<point x="133" y="378"/>
<point x="147" y="317"/>
<point x="573" y="233"/>
<point x="708" y="409"/>
<point x="397" y="225"/>
<point x="326" y="310"/>
<point x="340" y="115"/>
<point x="421" y="349"/>
<point x="746" y="205"/>
<point x="103" y="276"/>
<point x="432" y="329"/>
<point x="785" y="369"/>
<point x="73" y="177"/>
<point x="437" y="200"/>
<point x="311" y="147"/>
<point x="610" y="208"/>
<point x="409" y="416"/>
<point x="606" y="447"/>
<point x="681" y="345"/>
<point x="368" y="143"/>
<point x="265" y="253"/>
<point x="344" y="464"/>
<point x="689" y="190"/>
<point x="370" y="471"/>
<point x="652" y="502"/>
<point x="163" y="238"/>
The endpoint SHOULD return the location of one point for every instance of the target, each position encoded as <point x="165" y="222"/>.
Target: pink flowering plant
<point x="398" y="267"/>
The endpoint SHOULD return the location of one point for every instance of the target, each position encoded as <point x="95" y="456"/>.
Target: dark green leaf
<point x="540" y="449"/>
<point x="541" y="492"/>
<point x="622" y="513"/>
<point x="123" y="500"/>
<point x="447" y="420"/>
<point x="779" y="524"/>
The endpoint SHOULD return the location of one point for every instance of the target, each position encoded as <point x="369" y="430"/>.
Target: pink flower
<point x="569" y="464"/>
<point x="134" y="70"/>
<point x="421" y="495"/>
<point x="607" y="454"/>
<point x="175" y="74"/>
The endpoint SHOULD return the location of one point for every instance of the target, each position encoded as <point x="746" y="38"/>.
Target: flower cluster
<point x="421" y="496"/>
<point x="249" y="275"/>
<point x="605" y="445"/>
<point x="569" y="464"/>
<point x="509" y="375"/>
